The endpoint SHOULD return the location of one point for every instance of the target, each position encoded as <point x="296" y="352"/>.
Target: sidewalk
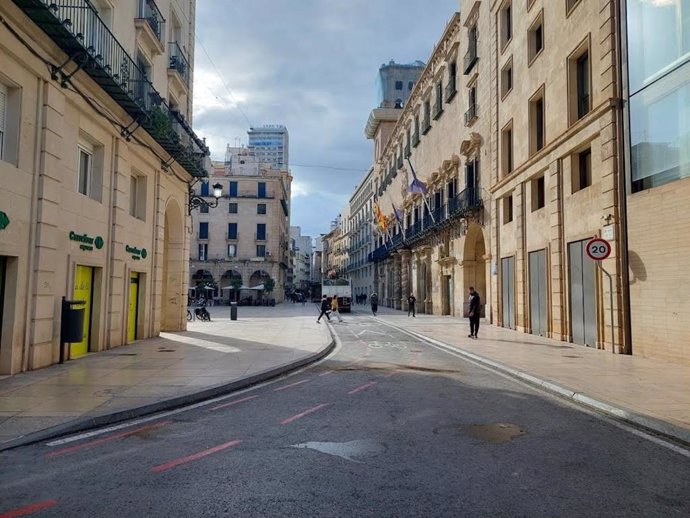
<point x="211" y="358"/>
<point x="647" y="392"/>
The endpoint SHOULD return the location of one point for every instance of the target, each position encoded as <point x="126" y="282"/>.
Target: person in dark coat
<point x="411" y="300"/>
<point x="325" y="308"/>
<point x="475" y="312"/>
<point x="374" y="299"/>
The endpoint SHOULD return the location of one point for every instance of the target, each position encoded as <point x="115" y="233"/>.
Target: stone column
<point x="428" y="281"/>
<point x="397" y="281"/>
<point x="405" y="278"/>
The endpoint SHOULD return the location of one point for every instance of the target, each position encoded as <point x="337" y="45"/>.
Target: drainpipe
<point x="108" y="269"/>
<point x="620" y="115"/>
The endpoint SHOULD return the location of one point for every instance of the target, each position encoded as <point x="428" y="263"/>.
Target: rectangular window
<point x="204" y="188"/>
<point x="582" y="85"/>
<point x="262" y="189"/>
<point x="536" y="123"/>
<point x="507" y="149"/>
<point x="582" y="170"/>
<point x="233" y="189"/>
<point x="261" y="250"/>
<point x="203" y="251"/>
<point x="535" y="38"/>
<point x="261" y="231"/>
<point x="471" y="113"/>
<point x="451" y="87"/>
<point x="203" y="230"/>
<point x="232" y="208"/>
<point x="3" y="118"/>
<point x="426" y="123"/>
<point x="570" y="5"/>
<point x="507" y="209"/>
<point x="261" y="208"/>
<point x="507" y="78"/>
<point x="538" y="194"/>
<point x="398" y="85"/>
<point x="415" y="135"/>
<point x="232" y="250"/>
<point x="506" y="23"/>
<point x="232" y="230"/>
<point x="137" y="197"/>
<point x="660" y="131"/>
<point x="203" y="209"/>
<point x="438" y="103"/>
<point x="85" y="171"/>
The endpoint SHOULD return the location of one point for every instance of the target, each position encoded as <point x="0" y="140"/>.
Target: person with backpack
<point x="325" y="308"/>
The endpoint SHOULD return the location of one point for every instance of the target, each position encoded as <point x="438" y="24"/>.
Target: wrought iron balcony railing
<point x="451" y="89"/>
<point x="471" y="57"/>
<point x="75" y="27"/>
<point x="178" y="61"/>
<point x="462" y="205"/>
<point x="148" y="10"/>
<point x="471" y="114"/>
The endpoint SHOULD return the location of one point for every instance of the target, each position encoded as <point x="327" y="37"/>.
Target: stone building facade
<point x="359" y="269"/>
<point x="247" y="236"/>
<point x="96" y="157"/>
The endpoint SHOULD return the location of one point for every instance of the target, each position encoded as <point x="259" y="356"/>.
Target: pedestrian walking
<point x="475" y="312"/>
<point x="325" y="308"/>
<point x="334" y="308"/>
<point x="374" y="299"/>
<point x="411" y="300"/>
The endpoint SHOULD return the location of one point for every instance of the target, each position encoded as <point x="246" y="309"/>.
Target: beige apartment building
<point x="427" y="158"/>
<point x="359" y="244"/>
<point x="96" y="157"/>
<point x="244" y="241"/>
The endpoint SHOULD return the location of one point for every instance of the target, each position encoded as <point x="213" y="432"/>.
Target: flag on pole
<point x="380" y="218"/>
<point x="419" y="186"/>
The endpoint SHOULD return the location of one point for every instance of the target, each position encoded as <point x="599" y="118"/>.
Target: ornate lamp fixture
<point x="196" y="201"/>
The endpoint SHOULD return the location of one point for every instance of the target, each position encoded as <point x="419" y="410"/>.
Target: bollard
<point x="233" y="311"/>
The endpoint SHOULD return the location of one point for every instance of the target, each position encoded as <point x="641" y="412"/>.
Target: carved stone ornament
<point x="469" y="145"/>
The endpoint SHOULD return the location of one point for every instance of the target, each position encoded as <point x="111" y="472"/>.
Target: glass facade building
<point x="658" y="42"/>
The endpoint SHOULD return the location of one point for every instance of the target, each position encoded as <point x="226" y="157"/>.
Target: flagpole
<point x="426" y="202"/>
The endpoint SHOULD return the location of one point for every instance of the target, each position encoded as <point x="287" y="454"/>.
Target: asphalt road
<point x="387" y="426"/>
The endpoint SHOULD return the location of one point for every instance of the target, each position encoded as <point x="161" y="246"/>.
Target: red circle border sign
<point x="601" y="243"/>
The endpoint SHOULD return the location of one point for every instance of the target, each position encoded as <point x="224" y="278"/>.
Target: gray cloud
<point x="311" y="65"/>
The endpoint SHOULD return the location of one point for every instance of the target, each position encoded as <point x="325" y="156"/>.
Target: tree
<point x="269" y="284"/>
<point x="236" y="283"/>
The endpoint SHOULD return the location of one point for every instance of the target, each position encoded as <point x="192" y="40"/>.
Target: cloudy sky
<point x="310" y="65"/>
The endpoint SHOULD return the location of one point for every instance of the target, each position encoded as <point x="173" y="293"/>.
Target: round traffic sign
<point x="598" y="249"/>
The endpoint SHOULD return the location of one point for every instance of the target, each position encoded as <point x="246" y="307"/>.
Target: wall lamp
<point x="196" y="201"/>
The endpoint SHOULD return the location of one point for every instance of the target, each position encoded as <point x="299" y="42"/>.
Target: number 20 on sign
<point x="598" y="249"/>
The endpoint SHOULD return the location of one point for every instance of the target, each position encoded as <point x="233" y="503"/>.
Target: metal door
<point x="133" y="310"/>
<point x="537" y="293"/>
<point x="83" y="290"/>
<point x="583" y="309"/>
<point x="508" y="291"/>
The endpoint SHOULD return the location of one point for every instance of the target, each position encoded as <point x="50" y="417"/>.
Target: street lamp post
<point x="196" y="201"/>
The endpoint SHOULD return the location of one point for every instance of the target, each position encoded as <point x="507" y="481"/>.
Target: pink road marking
<point x="326" y="373"/>
<point x="363" y="387"/>
<point x="106" y="439"/>
<point x="234" y="402"/>
<point x="290" y="385"/>
<point x="195" y="456"/>
<point x="31" y="508"/>
<point x="305" y="413"/>
<point x="391" y="374"/>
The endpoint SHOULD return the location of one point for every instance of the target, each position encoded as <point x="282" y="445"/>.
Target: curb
<point x="167" y="404"/>
<point x="649" y="423"/>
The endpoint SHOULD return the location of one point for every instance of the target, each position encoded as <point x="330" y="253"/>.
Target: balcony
<point x="464" y="204"/>
<point x="471" y="57"/>
<point x="150" y="26"/>
<point x="438" y="107"/>
<point x="415" y="138"/>
<point x="471" y="115"/>
<point x="178" y="67"/>
<point x="451" y="89"/>
<point x="76" y="28"/>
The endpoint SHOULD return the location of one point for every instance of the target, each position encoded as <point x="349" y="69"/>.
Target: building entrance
<point x="83" y="290"/>
<point x="133" y="310"/>
<point x="448" y="295"/>
<point x="583" y="300"/>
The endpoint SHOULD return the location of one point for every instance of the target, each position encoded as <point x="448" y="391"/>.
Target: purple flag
<point x="418" y="186"/>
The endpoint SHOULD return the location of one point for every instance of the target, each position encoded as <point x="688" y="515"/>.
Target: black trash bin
<point x="233" y="311"/>
<point x="72" y="327"/>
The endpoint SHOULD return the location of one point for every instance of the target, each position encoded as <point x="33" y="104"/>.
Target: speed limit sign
<point x="598" y="249"/>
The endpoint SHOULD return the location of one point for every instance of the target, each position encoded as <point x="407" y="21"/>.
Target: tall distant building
<point x="395" y="82"/>
<point x="271" y="144"/>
